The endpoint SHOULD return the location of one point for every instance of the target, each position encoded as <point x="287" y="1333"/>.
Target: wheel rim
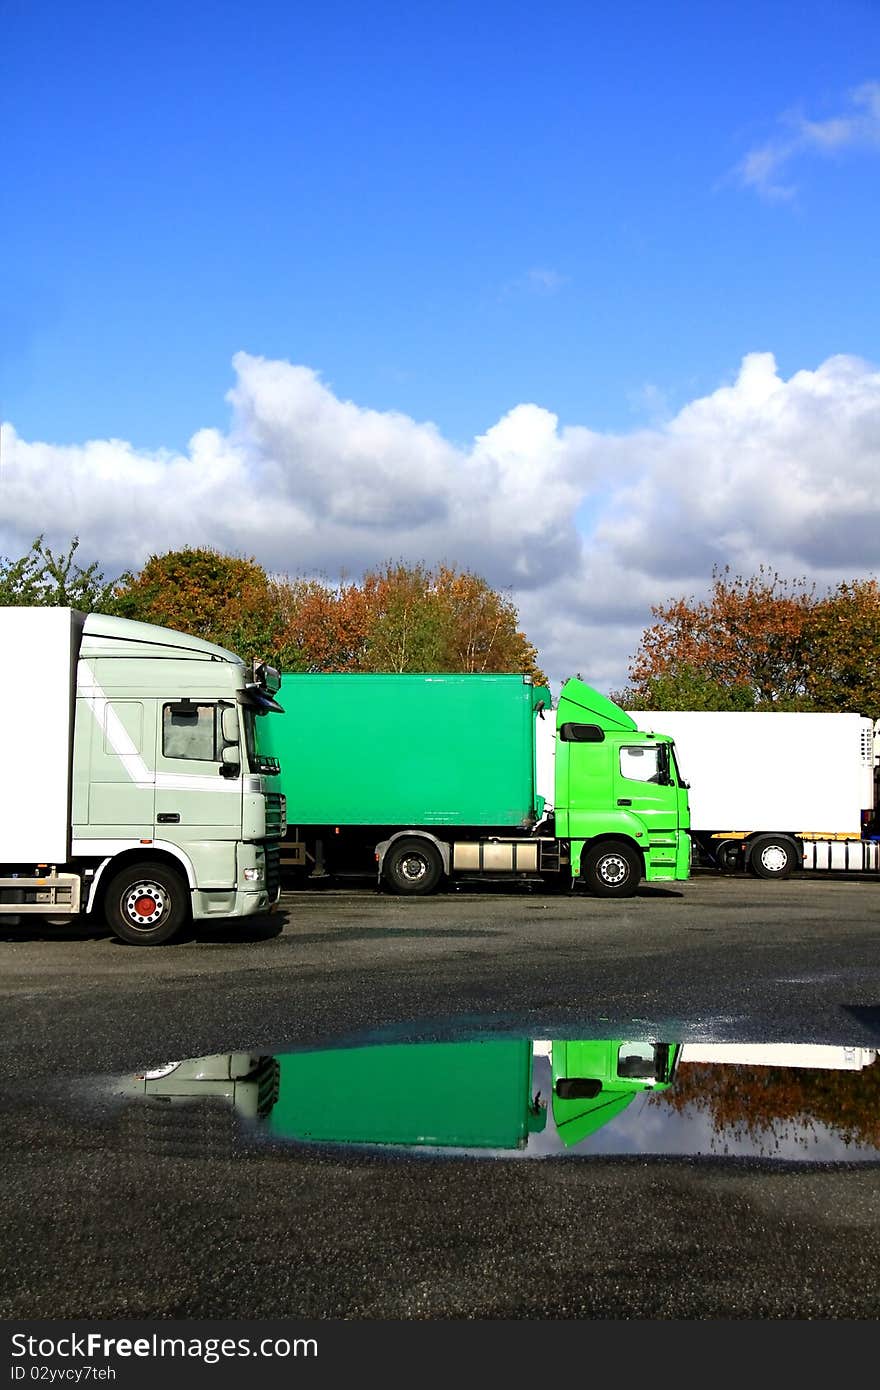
<point x="413" y="868"/>
<point x="614" y="870"/>
<point x="144" y="904"/>
<point x="774" y="859"/>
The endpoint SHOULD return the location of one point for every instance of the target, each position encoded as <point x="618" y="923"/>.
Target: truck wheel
<point x="413" y="866"/>
<point x="772" y="856"/>
<point x="146" y="904"/>
<point x="729" y="856"/>
<point x="612" y="869"/>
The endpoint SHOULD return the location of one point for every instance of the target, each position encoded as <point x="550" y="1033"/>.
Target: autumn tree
<point x="323" y="627"/>
<point x="760" y="1101"/>
<point x="762" y="643"/>
<point x="480" y="627"/>
<point x="403" y="618"/>
<point x="222" y="598"/>
<point x="398" y="618"/>
<point x="442" y="619"/>
<point x="748" y="637"/>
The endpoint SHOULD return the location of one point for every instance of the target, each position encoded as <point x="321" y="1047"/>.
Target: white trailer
<point x="775" y="791"/>
<point x="819" y="1056"/>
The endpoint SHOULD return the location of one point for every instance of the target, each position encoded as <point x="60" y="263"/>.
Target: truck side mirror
<point x="229" y="725"/>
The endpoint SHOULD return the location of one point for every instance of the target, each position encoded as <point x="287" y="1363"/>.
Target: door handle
<point x="624" y="801"/>
<point x="168" y="818"/>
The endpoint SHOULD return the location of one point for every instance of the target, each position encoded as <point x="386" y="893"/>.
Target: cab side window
<point x="190" y="730"/>
<point x="640" y="764"/>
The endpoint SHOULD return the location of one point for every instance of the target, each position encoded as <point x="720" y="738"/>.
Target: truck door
<point x="643" y="784"/>
<point x="194" y="800"/>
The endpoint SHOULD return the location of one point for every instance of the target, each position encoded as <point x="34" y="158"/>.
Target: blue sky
<point x="447" y="214"/>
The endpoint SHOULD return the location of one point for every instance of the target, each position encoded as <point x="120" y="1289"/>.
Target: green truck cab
<point x="593" y="1081"/>
<point x="620" y="801"/>
<point x="422" y="780"/>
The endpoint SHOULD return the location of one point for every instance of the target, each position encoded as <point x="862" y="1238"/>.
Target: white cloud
<point x="540" y="280"/>
<point x="858" y="127"/>
<point x="585" y="530"/>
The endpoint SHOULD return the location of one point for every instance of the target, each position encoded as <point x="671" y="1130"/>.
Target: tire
<point x="612" y="869"/>
<point x="729" y="856"/>
<point x="146" y="904"/>
<point x="413" y="866"/>
<point x="772" y="856"/>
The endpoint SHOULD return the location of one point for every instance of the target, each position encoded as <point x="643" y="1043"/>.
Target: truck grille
<point x="276" y="815"/>
<point x="272" y="851"/>
<point x="270" y="1084"/>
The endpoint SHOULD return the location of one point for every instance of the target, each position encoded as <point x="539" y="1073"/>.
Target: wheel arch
<point x="169" y="855"/>
<point x="608" y="837"/>
<point x="441" y="846"/>
<point x="788" y="838"/>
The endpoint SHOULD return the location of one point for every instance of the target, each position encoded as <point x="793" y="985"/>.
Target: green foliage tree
<point x="403" y="627"/>
<point x="842" y="637"/>
<point x="398" y="618"/>
<point x="687" y="687"/>
<point x="44" y="578"/>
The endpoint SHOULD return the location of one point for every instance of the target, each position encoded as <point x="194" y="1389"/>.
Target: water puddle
<point x="516" y="1098"/>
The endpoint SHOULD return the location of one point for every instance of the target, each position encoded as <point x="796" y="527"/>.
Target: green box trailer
<point x="422" y="750"/>
<point x="471" y="1095"/>
<point x="420" y="780"/>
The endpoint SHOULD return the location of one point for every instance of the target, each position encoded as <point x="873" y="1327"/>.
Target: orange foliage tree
<point x="759" y="1101"/>
<point x="322" y="627"/>
<point x="405" y="618"/>
<point x="761" y="643"/>
<point x="223" y="598"/>
<point x="480" y="628"/>
<point x="398" y="618"/>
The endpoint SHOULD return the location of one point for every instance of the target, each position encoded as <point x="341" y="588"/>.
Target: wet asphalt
<point x="95" y="1223"/>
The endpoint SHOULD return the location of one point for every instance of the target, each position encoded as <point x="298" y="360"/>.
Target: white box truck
<point x="772" y="791"/>
<point x="132" y="786"/>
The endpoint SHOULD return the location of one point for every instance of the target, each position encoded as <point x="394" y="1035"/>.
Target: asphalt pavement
<point x="95" y="1223"/>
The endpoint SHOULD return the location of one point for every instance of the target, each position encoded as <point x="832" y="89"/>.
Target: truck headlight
<point x="254" y="875"/>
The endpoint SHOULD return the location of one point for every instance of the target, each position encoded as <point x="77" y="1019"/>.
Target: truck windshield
<point x="675" y="769"/>
<point x="257" y="762"/>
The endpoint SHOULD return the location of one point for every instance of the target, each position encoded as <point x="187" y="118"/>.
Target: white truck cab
<point x="133" y="787"/>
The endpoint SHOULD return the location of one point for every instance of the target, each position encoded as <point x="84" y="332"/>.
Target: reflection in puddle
<point x="529" y="1098"/>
